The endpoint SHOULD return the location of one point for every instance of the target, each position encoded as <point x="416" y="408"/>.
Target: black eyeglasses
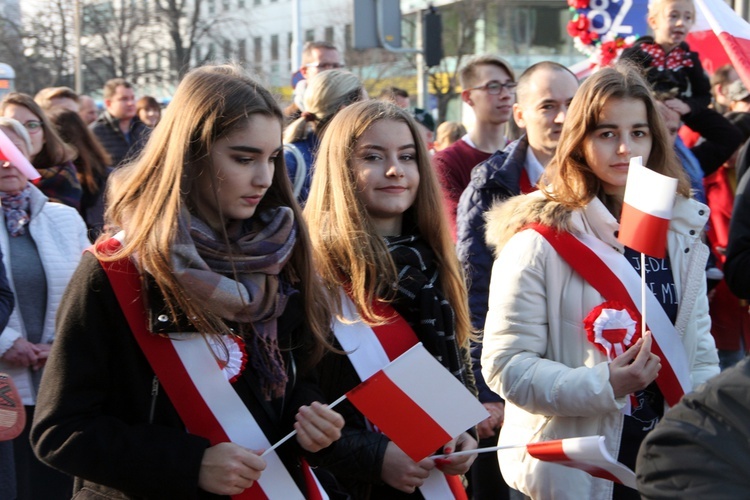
<point x="325" y="66"/>
<point x="495" y="88"/>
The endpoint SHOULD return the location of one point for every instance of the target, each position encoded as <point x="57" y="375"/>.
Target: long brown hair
<point x="348" y="250"/>
<point x="54" y="151"/>
<point x="568" y="179"/>
<point x="92" y="159"/>
<point x="146" y="196"/>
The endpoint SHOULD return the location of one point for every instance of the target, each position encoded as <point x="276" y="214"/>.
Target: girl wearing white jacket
<point x="559" y="378"/>
<point x="41" y="243"/>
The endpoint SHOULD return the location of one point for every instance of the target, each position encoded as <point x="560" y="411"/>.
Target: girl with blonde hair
<point x="383" y="248"/>
<point x="327" y="93"/>
<point x="546" y="347"/>
<point x="212" y="241"/>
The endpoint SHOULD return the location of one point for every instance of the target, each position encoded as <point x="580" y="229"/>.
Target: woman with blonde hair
<point x="382" y="246"/>
<point x="211" y="241"/>
<point x="563" y="345"/>
<point x="447" y="134"/>
<point x="327" y="94"/>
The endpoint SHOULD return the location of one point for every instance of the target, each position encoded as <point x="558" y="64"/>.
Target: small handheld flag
<point x="646" y="210"/>
<point x="10" y="153"/>
<point x="417" y="403"/>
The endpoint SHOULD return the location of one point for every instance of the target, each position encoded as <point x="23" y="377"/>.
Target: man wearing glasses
<point x="489" y="88"/>
<point x="316" y="57"/>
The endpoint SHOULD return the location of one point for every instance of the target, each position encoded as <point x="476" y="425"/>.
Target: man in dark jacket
<point x="543" y="95"/>
<point x="701" y="447"/>
<point x="119" y="130"/>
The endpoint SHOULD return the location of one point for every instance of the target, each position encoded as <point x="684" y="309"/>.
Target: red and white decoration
<point x="612" y="328"/>
<point x="10" y="153"/>
<point x="438" y="406"/>
<point x="230" y="354"/>
<point x="646" y="210"/>
<point x="586" y="453"/>
<point x="199" y="390"/>
<point x="370" y="349"/>
<point x="720" y="36"/>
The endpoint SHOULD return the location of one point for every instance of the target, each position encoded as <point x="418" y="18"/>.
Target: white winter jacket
<point x="60" y="237"/>
<point x="536" y="354"/>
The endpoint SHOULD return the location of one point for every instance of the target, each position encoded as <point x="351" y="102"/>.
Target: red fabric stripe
<point x="313" y="493"/>
<point x="643" y="232"/>
<point x="738" y="49"/>
<point x="398" y="416"/>
<point x="592" y="269"/>
<point x="397" y="336"/>
<point x="552" y="451"/>
<point x="165" y="362"/>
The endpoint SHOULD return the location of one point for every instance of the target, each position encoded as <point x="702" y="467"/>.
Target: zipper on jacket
<point x="154" y="394"/>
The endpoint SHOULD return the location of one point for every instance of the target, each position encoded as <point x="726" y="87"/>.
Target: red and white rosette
<point x="229" y="352"/>
<point x="612" y="328"/>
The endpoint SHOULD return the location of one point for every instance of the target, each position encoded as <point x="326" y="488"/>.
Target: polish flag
<point x="417" y="403"/>
<point x="646" y="210"/>
<point x="9" y="152"/>
<point x="586" y="453"/>
<point x="720" y="36"/>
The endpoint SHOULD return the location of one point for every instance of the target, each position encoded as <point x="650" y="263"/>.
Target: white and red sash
<point x="609" y="272"/>
<point x="200" y="392"/>
<point x="370" y="349"/>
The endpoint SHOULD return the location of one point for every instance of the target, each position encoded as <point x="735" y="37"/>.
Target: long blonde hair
<point x="326" y="93"/>
<point x="569" y="179"/>
<point x="348" y="251"/>
<point x="147" y="196"/>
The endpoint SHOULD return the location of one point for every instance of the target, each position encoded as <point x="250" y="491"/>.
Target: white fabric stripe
<point x="720" y="18"/>
<point x="464" y="409"/>
<point x="648" y="191"/>
<point x="661" y="327"/>
<point x="232" y="414"/>
<point x="591" y="450"/>
<point x="359" y="341"/>
<point x="368" y="356"/>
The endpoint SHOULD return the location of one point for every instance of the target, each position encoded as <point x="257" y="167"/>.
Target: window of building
<point x="256" y="2"/>
<point x="274" y="47"/>
<point x="211" y="55"/>
<point x="257" y="50"/>
<point x="309" y="35"/>
<point x="240" y="4"/>
<point x="348" y="37"/>
<point x="289" y="45"/>
<point x="225" y="5"/>
<point x="242" y="51"/>
<point x="227" y="49"/>
<point x="328" y="34"/>
<point x="212" y="6"/>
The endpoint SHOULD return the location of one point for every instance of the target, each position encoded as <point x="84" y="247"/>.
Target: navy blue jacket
<point x="495" y="179"/>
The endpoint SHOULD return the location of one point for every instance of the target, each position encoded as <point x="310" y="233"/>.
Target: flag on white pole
<point x="585" y="453"/>
<point x="10" y="153"/>
<point x="646" y="210"/>
<point x="720" y="36"/>
<point x="417" y="403"/>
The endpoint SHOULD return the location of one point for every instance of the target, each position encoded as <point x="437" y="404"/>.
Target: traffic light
<point x="433" y="37"/>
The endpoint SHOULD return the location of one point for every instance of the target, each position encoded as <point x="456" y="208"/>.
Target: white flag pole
<point x="643" y="294"/>
<point x="479" y="450"/>
<point x="294" y="432"/>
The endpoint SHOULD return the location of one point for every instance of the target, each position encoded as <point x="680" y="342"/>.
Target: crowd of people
<point x="181" y="288"/>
